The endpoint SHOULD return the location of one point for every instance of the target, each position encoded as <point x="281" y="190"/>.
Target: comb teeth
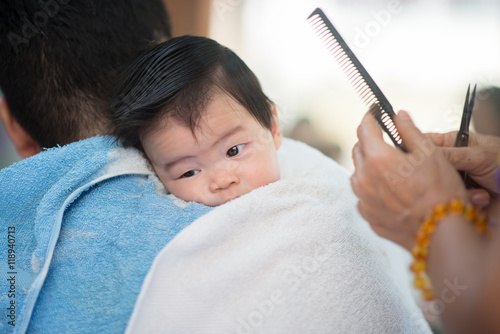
<point x="364" y="85"/>
<point x="386" y="122"/>
<point x="345" y="63"/>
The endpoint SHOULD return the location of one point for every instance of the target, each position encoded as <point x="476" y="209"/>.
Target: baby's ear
<point x="275" y="127"/>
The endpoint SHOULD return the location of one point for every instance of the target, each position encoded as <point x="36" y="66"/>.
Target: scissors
<point x="462" y="138"/>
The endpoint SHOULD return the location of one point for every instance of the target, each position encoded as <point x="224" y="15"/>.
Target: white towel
<point x="290" y="257"/>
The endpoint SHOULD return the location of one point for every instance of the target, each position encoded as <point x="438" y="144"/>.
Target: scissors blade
<point x="462" y="138"/>
<point x="471" y="107"/>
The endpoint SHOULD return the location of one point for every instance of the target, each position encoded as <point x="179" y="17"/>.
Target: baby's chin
<point x="220" y="202"/>
<point x="226" y="200"/>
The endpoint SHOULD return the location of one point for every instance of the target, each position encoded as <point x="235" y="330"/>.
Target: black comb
<point x="358" y="76"/>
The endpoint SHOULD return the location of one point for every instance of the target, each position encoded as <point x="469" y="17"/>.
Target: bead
<point x="419" y="252"/>
<point x="425" y="241"/>
<point x="470" y="212"/>
<point x="456" y="206"/>
<point x="439" y="212"/>
<point x="418" y="266"/>
<point x="482" y="219"/>
<point x="415" y="251"/>
<point x="429" y="228"/>
<point x="421" y="282"/>
<point x="424" y="252"/>
<point x="428" y="295"/>
<point x="480" y="228"/>
<point x="421" y="235"/>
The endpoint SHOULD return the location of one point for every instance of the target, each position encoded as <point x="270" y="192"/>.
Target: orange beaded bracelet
<point x="428" y="226"/>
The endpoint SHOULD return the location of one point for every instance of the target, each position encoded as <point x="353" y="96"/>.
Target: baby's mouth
<point x="230" y="199"/>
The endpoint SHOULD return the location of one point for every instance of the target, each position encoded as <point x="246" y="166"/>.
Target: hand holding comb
<point x="359" y="77"/>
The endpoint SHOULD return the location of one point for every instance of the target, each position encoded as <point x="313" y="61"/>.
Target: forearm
<point x="456" y="266"/>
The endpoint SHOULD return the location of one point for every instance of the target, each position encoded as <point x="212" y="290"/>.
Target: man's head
<point x="58" y="60"/>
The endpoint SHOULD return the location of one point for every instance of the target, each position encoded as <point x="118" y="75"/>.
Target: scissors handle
<point x="462" y="139"/>
<point x="469" y="183"/>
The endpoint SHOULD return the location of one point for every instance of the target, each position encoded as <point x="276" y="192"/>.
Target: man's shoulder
<point x="94" y="198"/>
<point x="25" y="183"/>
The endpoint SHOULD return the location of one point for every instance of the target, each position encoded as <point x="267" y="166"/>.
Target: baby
<point x="199" y="114"/>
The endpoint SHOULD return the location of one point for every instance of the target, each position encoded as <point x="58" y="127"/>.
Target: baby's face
<point x="230" y="154"/>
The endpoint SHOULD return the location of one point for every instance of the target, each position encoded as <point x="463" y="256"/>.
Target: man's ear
<point x="275" y="128"/>
<point x="24" y="144"/>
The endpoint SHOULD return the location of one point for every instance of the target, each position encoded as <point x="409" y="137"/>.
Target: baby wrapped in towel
<point x="292" y="255"/>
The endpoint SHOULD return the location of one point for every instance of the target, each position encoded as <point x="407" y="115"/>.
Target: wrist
<point x="454" y="211"/>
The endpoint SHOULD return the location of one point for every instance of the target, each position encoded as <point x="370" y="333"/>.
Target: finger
<point x="476" y="139"/>
<point x="454" y="156"/>
<point x="371" y="215"/>
<point x="479" y="197"/>
<point x="354" y="184"/>
<point x="360" y="209"/>
<point x="463" y="158"/>
<point x="368" y="214"/>
<point x="370" y="135"/>
<point x="473" y="138"/>
<point x="413" y="138"/>
<point x="357" y="156"/>
<point x="443" y="139"/>
<point x="448" y="139"/>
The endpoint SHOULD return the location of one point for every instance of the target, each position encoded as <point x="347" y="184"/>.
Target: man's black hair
<point x="491" y="94"/>
<point x="177" y="79"/>
<point x="58" y="60"/>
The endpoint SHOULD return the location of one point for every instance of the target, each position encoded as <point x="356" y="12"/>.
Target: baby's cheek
<point x="162" y="178"/>
<point x="195" y="194"/>
<point x="274" y="167"/>
<point x="265" y="177"/>
<point x="275" y="175"/>
<point x="185" y="191"/>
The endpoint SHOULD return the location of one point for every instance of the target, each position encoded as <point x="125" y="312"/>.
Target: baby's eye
<point x="235" y="150"/>
<point x="190" y="173"/>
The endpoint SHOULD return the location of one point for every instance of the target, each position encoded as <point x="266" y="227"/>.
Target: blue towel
<point x="82" y="224"/>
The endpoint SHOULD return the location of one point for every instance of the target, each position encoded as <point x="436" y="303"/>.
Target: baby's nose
<point x="223" y="179"/>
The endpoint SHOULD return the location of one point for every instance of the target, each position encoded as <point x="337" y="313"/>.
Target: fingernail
<point x="480" y="199"/>
<point x="404" y="116"/>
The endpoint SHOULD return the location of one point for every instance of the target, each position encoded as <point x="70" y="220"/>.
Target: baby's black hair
<point x="177" y="79"/>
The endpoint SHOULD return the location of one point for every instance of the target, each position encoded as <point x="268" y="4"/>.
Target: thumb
<point x="479" y="197"/>
<point x="479" y="162"/>
<point x="462" y="158"/>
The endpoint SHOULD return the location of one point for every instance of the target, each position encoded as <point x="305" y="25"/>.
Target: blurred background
<point x="421" y="53"/>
